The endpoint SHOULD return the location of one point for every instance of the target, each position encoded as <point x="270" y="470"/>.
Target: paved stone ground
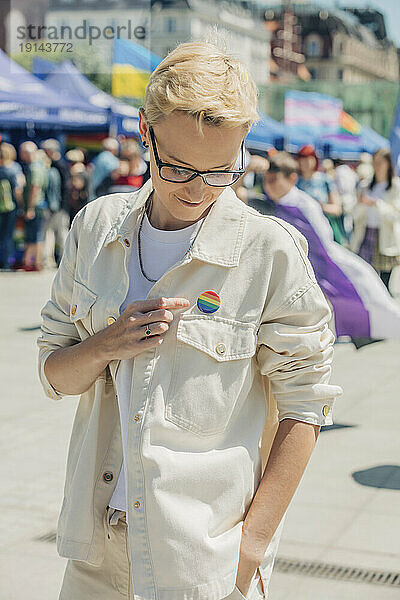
<point x="346" y="510"/>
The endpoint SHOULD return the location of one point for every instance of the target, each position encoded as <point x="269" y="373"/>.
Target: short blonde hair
<point x="204" y="81"/>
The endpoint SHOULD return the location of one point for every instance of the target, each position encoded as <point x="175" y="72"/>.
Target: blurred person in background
<point x="364" y="169"/>
<point x="11" y="186"/>
<point x="102" y="166"/>
<point x="73" y="156"/>
<point x="132" y="171"/>
<point x="53" y="237"/>
<point x="34" y="205"/>
<point x="376" y="235"/>
<point x="328" y="167"/>
<point x="250" y="183"/>
<point x="321" y="187"/>
<point x="79" y="188"/>
<point x="346" y="180"/>
<point x="59" y="193"/>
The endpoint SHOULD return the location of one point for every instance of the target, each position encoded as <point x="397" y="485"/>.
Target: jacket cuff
<point x="47" y="387"/>
<point x="313" y="412"/>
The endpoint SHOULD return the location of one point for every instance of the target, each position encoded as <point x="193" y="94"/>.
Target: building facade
<point x="350" y="45"/>
<point x="287" y="59"/>
<point x="19" y="13"/>
<point x="169" y="22"/>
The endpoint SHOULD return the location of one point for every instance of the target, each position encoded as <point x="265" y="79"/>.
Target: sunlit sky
<point x="390" y="8"/>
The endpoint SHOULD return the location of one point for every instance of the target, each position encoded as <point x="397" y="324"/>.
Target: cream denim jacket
<point x="202" y="418"/>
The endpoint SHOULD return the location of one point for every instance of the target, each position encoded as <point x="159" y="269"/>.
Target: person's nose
<point x="196" y="189"/>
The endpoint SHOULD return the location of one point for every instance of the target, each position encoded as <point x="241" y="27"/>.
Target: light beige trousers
<point x="112" y="579"/>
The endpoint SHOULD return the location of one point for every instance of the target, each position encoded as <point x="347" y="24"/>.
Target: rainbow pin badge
<point x="208" y="302"/>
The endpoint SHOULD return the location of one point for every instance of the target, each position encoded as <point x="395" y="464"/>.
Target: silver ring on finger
<point x="148" y="330"/>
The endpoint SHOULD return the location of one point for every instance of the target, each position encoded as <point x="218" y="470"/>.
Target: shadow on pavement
<point x="383" y="476"/>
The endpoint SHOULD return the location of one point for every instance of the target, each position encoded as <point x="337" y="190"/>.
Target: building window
<point x="170" y="25"/>
<point x="313" y="46"/>
<point x="340" y="74"/>
<point x="313" y="73"/>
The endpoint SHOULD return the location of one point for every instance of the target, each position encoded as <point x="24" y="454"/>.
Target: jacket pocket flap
<point x="82" y="300"/>
<point x="223" y="339"/>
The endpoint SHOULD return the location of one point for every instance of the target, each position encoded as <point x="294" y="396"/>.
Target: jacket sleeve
<point x="57" y="330"/>
<point x="295" y="343"/>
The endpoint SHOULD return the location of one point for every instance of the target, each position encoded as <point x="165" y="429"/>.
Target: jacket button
<point x="127" y="242"/>
<point x="136" y="417"/>
<point x="73" y="309"/>
<point x="111" y="320"/>
<point x="108" y="477"/>
<point x="325" y="410"/>
<point x="220" y="349"/>
<point x="137" y="504"/>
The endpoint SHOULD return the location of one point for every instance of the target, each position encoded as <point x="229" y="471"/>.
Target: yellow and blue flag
<point x="131" y="69"/>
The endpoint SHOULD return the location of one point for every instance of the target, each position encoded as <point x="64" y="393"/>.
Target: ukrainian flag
<point x="131" y="69"/>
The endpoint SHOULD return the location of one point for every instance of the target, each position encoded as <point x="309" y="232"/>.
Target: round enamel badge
<point x="208" y="302"/>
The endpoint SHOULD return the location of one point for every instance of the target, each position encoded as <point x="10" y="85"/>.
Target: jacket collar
<point x="220" y="237"/>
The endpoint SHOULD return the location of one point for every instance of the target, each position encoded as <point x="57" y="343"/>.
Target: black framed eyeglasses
<point x="177" y="174"/>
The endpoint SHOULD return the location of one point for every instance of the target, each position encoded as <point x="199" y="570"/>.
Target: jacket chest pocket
<point x="212" y="368"/>
<point x="81" y="306"/>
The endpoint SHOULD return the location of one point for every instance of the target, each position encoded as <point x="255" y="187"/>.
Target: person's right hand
<point x="126" y="337"/>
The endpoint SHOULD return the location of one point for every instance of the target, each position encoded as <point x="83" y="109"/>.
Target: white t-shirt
<point x="161" y="249"/>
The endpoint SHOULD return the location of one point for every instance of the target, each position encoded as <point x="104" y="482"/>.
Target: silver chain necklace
<point x="139" y="245"/>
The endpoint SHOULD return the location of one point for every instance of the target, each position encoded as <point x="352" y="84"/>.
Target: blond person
<point x="174" y="309"/>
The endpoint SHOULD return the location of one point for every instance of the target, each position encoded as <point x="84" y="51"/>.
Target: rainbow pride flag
<point x="349" y="125"/>
<point x="131" y="69"/>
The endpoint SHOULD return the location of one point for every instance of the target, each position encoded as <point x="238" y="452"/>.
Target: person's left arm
<point x="334" y="205"/>
<point x="290" y="452"/>
<point x="295" y="351"/>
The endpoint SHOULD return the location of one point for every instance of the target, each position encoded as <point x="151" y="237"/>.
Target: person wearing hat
<point x="197" y="337"/>
<point x="321" y="187"/>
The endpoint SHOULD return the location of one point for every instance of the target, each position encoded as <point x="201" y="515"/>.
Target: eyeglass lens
<point x="177" y="175"/>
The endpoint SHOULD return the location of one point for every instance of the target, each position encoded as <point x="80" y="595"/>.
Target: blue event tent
<point x="28" y="102"/>
<point x="346" y="146"/>
<point x="265" y="134"/>
<point x="66" y="78"/>
<point x="294" y="140"/>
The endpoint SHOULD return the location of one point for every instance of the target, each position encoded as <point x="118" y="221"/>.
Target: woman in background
<point x="376" y="236"/>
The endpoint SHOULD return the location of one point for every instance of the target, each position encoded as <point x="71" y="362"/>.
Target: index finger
<point x="163" y="302"/>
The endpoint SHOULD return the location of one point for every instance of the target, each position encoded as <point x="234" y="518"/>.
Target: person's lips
<point x="187" y="203"/>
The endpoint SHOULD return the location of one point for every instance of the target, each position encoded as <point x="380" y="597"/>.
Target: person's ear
<point x="143" y="128"/>
<point x="293" y="178"/>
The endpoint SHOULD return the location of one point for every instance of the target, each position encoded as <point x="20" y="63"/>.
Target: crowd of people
<point x="42" y="190"/>
<point x="361" y="201"/>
